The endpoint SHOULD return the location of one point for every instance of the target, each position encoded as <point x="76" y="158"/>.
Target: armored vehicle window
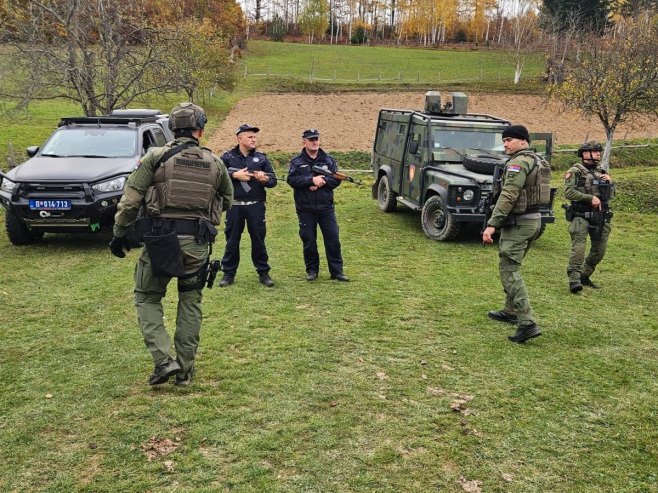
<point x="97" y="142"/>
<point x="474" y="139"/>
<point x="160" y="139"/>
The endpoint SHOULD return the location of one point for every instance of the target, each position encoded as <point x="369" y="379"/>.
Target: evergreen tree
<point x="587" y="15"/>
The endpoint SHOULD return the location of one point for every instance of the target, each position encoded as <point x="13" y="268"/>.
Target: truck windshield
<point x="97" y="142"/>
<point x="466" y="141"/>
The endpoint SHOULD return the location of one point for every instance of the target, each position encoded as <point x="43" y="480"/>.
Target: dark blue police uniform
<point x="316" y="208"/>
<point x="248" y="207"/>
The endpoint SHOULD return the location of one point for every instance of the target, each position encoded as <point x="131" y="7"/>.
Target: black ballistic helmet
<point x="187" y="116"/>
<point x="590" y="145"/>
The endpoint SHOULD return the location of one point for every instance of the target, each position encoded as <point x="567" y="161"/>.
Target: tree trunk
<point x="607" y="150"/>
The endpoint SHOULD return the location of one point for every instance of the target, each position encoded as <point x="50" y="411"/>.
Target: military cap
<point x="517" y="132"/>
<point x="245" y="127"/>
<point x="311" y="133"/>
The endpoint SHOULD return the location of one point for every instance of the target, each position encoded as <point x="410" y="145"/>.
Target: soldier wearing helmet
<point x="588" y="188"/>
<point x="182" y="188"/>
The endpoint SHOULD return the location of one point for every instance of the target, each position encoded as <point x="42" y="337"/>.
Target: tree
<point x="592" y="14"/>
<point x="102" y="54"/>
<point x="615" y="76"/>
<point x="313" y="20"/>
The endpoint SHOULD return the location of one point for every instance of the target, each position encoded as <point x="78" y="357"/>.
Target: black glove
<point x="117" y="245"/>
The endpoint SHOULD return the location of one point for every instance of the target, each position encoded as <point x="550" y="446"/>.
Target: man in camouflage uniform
<point x="518" y="230"/>
<point x="584" y="184"/>
<point x="183" y="188"/>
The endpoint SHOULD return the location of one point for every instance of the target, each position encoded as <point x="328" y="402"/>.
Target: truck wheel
<point x="386" y="198"/>
<point x="18" y="232"/>
<point x="481" y="163"/>
<point x="438" y="223"/>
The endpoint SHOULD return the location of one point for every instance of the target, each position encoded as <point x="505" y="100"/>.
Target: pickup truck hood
<point x="71" y="169"/>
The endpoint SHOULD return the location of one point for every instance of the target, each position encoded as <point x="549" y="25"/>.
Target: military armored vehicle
<point x="441" y="161"/>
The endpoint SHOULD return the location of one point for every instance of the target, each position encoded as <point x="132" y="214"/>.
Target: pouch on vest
<point x="165" y="253"/>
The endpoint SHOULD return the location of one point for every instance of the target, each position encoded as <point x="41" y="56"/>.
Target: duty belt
<point x="201" y="229"/>
<point x="245" y="202"/>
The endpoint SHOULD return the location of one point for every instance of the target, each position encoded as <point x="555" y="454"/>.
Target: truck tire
<point x="481" y="163"/>
<point x="438" y="223"/>
<point x="386" y="198"/>
<point x="18" y="232"/>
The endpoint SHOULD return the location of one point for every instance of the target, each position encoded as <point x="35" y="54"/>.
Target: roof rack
<point x="136" y="112"/>
<point x="98" y="120"/>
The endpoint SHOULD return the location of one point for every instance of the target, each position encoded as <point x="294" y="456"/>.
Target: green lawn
<point x="282" y="66"/>
<point x="319" y="387"/>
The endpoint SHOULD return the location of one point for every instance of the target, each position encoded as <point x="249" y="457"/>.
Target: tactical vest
<point x="184" y="187"/>
<point x="537" y="188"/>
<point x="589" y="181"/>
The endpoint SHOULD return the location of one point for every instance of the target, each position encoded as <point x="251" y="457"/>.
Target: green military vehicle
<point x="441" y="161"/>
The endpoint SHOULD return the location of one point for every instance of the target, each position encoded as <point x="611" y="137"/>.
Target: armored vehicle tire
<point x="386" y="198"/>
<point x="438" y="223"/>
<point x="18" y="232"/>
<point x="481" y="163"/>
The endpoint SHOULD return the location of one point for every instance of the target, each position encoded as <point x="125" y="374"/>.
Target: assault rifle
<point x="244" y="184"/>
<point x="599" y="217"/>
<point x="337" y="175"/>
<point x="491" y="199"/>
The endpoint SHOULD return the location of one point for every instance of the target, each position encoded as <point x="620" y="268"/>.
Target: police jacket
<point x="254" y="161"/>
<point x="300" y="178"/>
<point x="191" y="184"/>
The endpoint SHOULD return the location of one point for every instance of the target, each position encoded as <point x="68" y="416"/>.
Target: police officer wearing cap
<point x="584" y="186"/>
<point x="516" y="215"/>
<point x="183" y="189"/>
<point x="251" y="173"/>
<point x="314" y="202"/>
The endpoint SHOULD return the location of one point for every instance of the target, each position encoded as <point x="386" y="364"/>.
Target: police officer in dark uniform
<point x="183" y="189"/>
<point x="589" y="189"/>
<point x="251" y="173"/>
<point x="314" y="202"/>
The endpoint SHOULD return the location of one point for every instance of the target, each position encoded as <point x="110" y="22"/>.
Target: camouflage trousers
<point x="579" y="265"/>
<point x="514" y="243"/>
<point x="149" y="291"/>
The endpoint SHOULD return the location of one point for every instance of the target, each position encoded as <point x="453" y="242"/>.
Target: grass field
<point x="314" y="387"/>
<point x="285" y="66"/>
<point x="394" y="382"/>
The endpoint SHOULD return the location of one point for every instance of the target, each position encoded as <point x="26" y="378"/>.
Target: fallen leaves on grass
<point x="472" y="486"/>
<point x="507" y="477"/>
<point x="168" y="465"/>
<point x="158" y="447"/>
<point x="459" y="400"/>
<point x="381" y="375"/>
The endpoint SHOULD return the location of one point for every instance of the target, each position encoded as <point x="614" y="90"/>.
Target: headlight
<point x="114" y="185"/>
<point x="468" y="195"/>
<point x="8" y="186"/>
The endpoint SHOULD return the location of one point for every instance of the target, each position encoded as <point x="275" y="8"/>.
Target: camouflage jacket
<point x="517" y="168"/>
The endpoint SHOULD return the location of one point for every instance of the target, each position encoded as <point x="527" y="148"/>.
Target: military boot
<point x="226" y="281"/>
<point x="184" y="380"/>
<point x="503" y="316"/>
<point x="586" y="281"/>
<point x="161" y="373"/>
<point x="575" y="287"/>
<point x="525" y="332"/>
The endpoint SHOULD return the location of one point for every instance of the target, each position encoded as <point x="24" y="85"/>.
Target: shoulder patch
<point x="514" y="168"/>
<point x="568" y="175"/>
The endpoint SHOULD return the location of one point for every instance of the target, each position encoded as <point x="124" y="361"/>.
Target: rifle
<point x="337" y="175"/>
<point x="491" y="199"/>
<point x="599" y="217"/>
<point x="244" y="184"/>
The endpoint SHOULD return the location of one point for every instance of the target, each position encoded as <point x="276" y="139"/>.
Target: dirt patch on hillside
<point x="347" y="121"/>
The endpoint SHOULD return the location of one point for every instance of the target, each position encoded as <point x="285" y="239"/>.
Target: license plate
<point x="50" y="204"/>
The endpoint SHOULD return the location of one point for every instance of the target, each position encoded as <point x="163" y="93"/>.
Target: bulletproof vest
<point x="589" y="182"/>
<point x="537" y="188"/>
<point x="184" y="186"/>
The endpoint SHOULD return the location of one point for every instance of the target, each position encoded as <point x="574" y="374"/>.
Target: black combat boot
<point x="575" y="287"/>
<point x="184" y="380"/>
<point x="311" y="275"/>
<point x="525" y="332"/>
<point x="226" y="281"/>
<point x="161" y="373"/>
<point x="503" y="316"/>
<point x="265" y="279"/>
<point x="586" y="281"/>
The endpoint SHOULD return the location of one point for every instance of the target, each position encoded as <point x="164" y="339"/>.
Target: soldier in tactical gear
<point x="526" y="184"/>
<point x="589" y="189"/>
<point x="183" y="188"/>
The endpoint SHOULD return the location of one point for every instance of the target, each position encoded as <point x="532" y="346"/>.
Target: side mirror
<point x="413" y="147"/>
<point x="32" y="151"/>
